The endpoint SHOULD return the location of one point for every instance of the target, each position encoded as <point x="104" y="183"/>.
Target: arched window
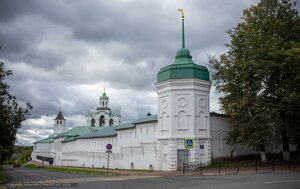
<point x="150" y="167"/>
<point x="93" y="122"/>
<point x="57" y="122"/>
<point x="111" y="122"/>
<point x="60" y="122"/>
<point x="101" y="121"/>
<point x="131" y="166"/>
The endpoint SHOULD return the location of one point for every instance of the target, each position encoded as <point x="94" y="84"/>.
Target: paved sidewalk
<point x="205" y="171"/>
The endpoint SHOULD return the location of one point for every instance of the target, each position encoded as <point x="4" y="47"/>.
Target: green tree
<point x="11" y="116"/>
<point x="259" y="76"/>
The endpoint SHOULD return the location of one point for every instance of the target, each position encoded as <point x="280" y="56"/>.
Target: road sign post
<point x="108" y="151"/>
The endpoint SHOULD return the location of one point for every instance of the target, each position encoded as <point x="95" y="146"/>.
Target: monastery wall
<point x="220" y="126"/>
<point x="134" y="148"/>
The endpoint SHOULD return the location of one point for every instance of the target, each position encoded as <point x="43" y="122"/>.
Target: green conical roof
<point x="183" y="56"/>
<point x="183" y="66"/>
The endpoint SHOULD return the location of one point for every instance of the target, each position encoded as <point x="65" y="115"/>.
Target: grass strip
<point x="2" y="175"/>
<point x="66" y="169"/>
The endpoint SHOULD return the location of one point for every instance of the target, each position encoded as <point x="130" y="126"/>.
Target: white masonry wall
<point x="220" y="126"/>
<point x="138" y="148"/>
<point x="135" y="148"/>
<point x="41" y="149"/>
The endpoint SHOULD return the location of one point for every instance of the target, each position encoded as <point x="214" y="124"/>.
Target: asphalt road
<point x="35" y="178"/>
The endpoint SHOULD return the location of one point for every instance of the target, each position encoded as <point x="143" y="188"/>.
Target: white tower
<point x="183" y="111"/>
<point x="59" y="124"/>
<point x="104" y="99"/>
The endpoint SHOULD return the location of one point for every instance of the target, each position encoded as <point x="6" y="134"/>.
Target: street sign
<point x="108" y="151"/>
<point x="108" y="146"/>
<point x="189" y="143"/>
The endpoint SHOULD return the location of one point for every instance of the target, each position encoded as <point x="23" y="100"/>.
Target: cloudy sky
<point x="63" y="52"/>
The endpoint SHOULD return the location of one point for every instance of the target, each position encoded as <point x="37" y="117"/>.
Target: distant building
<point x="103" y="115"/>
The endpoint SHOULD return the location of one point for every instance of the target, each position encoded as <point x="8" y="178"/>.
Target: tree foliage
<point x="11" y="116"/>
<point x="260" y="75"/>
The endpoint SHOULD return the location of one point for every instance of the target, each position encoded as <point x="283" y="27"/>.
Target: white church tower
<point x="103" y="116"/>
<point x="104" y="99"/>
<point x="59" y="124"/>
<point x="183" y="111"/>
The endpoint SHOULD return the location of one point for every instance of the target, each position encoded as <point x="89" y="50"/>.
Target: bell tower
<point x="183" y="110"/>
<point x="59" y="123"/>
<point x="104" y="100"/>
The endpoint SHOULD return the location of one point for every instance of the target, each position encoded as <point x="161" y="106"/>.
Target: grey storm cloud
<point x="63" y="52"/>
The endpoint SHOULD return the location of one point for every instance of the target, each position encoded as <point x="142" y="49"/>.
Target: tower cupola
<point x="183" y="66"/>
<point x="104" y="100"/>
<point x="59" y="123"/>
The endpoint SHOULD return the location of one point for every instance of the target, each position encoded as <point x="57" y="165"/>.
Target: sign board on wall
<point x="189" y="143"/>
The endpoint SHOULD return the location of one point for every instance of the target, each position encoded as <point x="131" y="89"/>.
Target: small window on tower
<point x="93" y="122"/>
<point x="60" y="122"/>
<point x="57" y="122"/>
<point x="111" y="122"/>
<point x="101" y="121"/>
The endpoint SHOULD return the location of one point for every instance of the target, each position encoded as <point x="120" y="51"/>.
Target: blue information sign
<point x="189" y="143"/>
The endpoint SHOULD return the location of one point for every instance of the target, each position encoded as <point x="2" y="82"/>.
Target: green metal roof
<point x="146" y="119"/>
<point x="77" y="131"/>
<point x="124" y="126"/>
<point x="102" y="132"/>
<point x="46" y="140"/>
<point x="182" y="68"/>
<point x="68" y="139"/>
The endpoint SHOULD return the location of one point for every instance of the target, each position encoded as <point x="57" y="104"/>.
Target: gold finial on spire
<point x="181" y="12"/>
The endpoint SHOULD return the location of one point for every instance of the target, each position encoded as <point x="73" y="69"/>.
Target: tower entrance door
<point x="183" y="157"/>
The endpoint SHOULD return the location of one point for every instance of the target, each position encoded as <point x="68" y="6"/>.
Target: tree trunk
<point x="286" y="155"/>
<point x="298" y="149"/>
<point x="263" y="153"/>
<point x="285" y="144"/>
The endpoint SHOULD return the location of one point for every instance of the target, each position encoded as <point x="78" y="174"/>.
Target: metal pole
<point x="183" y="168"/>
<point x="289" y="164"/>
<point x="201" y="168"/>
<point x="255" y="165"/>
<point x="273" y="165"/>
<point x="237" y="167"/>
<point x="219" y="166"/>
<point x="107" y="160"/>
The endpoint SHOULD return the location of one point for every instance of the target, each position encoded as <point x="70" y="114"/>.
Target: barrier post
<point x="201" y="168"/>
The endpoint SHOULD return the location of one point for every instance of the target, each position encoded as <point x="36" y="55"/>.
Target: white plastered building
<point x="152" y="142"/>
